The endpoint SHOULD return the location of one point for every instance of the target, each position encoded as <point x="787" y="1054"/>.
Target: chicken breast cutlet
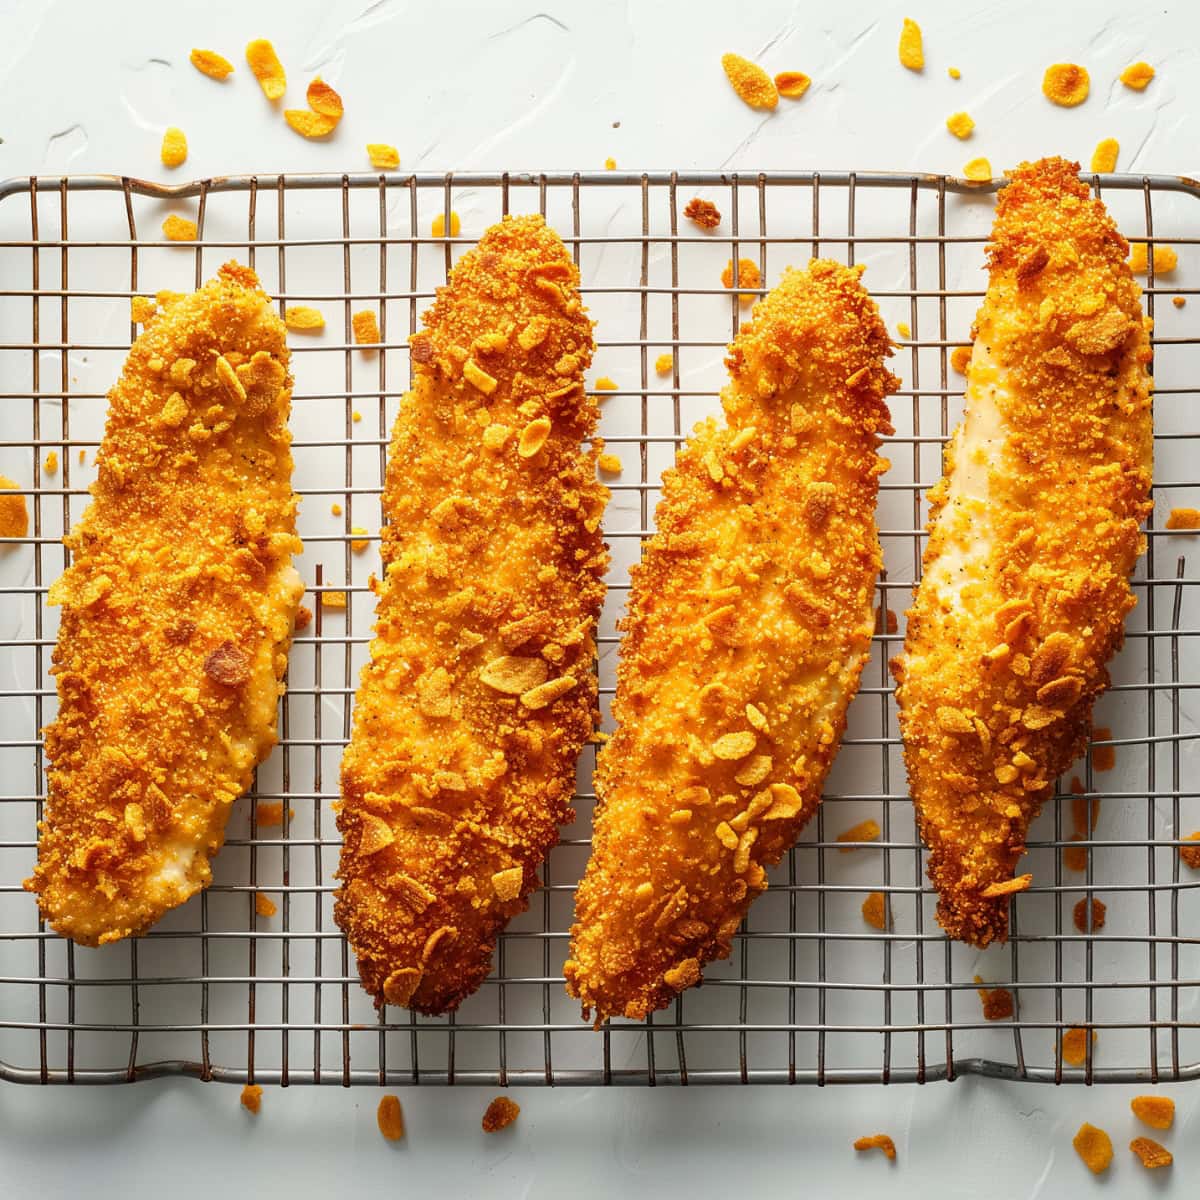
<point x="480" y="690"/>
<point x="1033" y="533"/>
<point x="177" y="613"/>
<point x="749" y="621"/>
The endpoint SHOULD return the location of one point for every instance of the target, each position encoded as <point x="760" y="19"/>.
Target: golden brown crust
<point x="1000" y="670"/>
<point x="749" y="620"/>
<point x="480" y="691"/>
<point x="177" y="615"/>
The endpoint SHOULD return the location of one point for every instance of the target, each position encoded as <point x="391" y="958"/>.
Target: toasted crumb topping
<point x="389" y="1116"/>
<point x="252" y="1098"/>
<point x="1094" y="1146"/>
<point x="500" y="1114"/>
<point x="1137" y="75"/>
<point x="703" y="213"/>
<point x="960" y="124"/>
<point x="1156" y="1111"/>
<point x="1074" y="1046"/>
<point x="877" y="1141"/>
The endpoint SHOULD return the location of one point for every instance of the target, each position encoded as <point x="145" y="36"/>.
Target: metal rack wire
<point x="811" y="993"/>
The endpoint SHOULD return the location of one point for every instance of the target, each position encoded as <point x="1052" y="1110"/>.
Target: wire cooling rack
<point x="811" y="993"/>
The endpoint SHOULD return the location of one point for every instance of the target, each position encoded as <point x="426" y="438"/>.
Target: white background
<point x="89" y="87"/>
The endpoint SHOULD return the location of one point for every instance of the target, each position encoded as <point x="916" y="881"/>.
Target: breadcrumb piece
<point x="1104" y="758"/>
<point x="252" y="1098"/>
<point x="212" y="64"/>
<point x="50" y="466"/>
<point x="324" y="99"/>
<point x="752" y="84"/>
<point x="702" y="212"/>
<point x="302" y="319"/>
<point x="1137" y="75"/>
<point x="179" y="229"/>
<point x="336" y="509"/>
<point x="1179" y="301"/>
<point x="1184" y="518"/>
<point x="960" y="124"/>
<point x="903" y="329"/>
<point x="83" y="456"/>
<point x="390" y="1117"/>
<point x="748" y="276"/>
<point x="1066" y="84"/>
<point x="960" y="357"/>
<point x="1104" y="157"/>
<point x="997" y="1002"/>
<point x="333" y="599"/>
<point x="438" y="228"/>
<point x="664" y="363"/>
<point x="954" y="72"/>
<point x="1094" y="1146"/>
<point x="264" y="905"/>
<point x="174" y="147"/>
<point x="864" y="831"/>
<point x="1074" y="1046"/>
<point x="912" y="48"/>
<point x="501" y="1113"/>
<point x="1151" y="1153"/>
<point x="356" y="416"/>
<point x="610" y="164"/>
<point x="14" y="513"/>
<point x="610" y="464"/>
<point x="604" y="384"/>
<point x="310" y="124"/>
<point x="383" y="157"/>
<point x="366" y="327"/>
<point x="874" y="910"/>
<point x="1099" y="911"/>
<point x="1191" y="854"/>
<point x="269" y="813"/>
<point x="877" y="1141"/>
<point x="978" y="170"/>
<point x="1156" y="1111"/>
<point x="303" y="617"/>
<point x="792" y="84"/>
<point x="358" y="544"/>
<point x="1165" y="259"/>
<point x="267" y="68"/>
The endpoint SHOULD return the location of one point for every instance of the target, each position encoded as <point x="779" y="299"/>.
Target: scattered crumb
<point x="336" y="509"/>
<point x="954" y="72"/>
<point x="14" y="512"/>
<point x="1074" y="1046"/>
<point x="501" y="1113"/>
<point x="360" y="543"/>
<point x="303" y="617"/>
<point x="1066" y="84"/>
<point x="438" y="228"/>
<point x="610" y="464"/>
<point x="864" y="831"/>
<point x="83" y="456"/>
<point x="997" y="1002"/>
<point x="1094" y="1146"/>
<point x="912" y="49"/>
<point x="960" y="357"/>
<point x="752" y="84"/>
<point x="1075" y="857"/>
<point x="267" y="68"/>
<point x="1165" y="259"/>
<point x="610" y="164"/>
<point x="50" y="466"/>
<point x="210" y="63"/>
<point x="270" y="813"/>
<point x="333" y="599"/>
<point x="1104" y="758"/>
<point x="902" y="328"/>
<point x="1099" y="910"/>
<point x="960" y="124"/>
<point x="1151" y="1153"/>
<point x="302" y="319"/>
<point x="174" y="147"/>
<point x="1179" y="301"/>
<point x="978" y="170"/>
<point x="604" y="384"/>
<point x="383" y="157"/>
<point x="179" y="229"/>
<point x="792" y="84"/>
<point x="664" y="363"/>
<point x="748" y="276"/>
<point x="1156" y="1111"/>
<point x="252" y="1098"/>
<point x="703" y="213"/>
<point x="366" y="327"/>
<point x="1191" y="854"/>
<point x="886" y="620"/>
<point x="356" y="416"/>
<point x="874" y="910"/>
<point x="264" y="905"/>
<point x="1184" y="518"/>
<point x="1137" y="75"/>
<point x="877" y="1141"/>
<point x="1104" y="157"/>
<point x="390" y="1117"/>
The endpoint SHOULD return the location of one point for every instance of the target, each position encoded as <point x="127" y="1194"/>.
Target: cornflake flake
<point x="267" y="68"/>
<point x="752" y="84"/>
<point x="912" y="49"/>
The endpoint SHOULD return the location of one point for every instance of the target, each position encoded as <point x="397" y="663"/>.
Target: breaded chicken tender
<point x="1033" y="533"/>
<point x="177" y="613"/>
<point x="749" y="621"/>
<point x="480" y="691"/>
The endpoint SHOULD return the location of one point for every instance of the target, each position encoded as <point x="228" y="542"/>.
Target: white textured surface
<point x="85" y="87"/>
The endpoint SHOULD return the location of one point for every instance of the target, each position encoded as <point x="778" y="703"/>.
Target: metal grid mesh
<point x="810" y="993"/>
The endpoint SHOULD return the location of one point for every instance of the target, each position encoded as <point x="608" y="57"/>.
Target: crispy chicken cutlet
<point x="480" y="690"/>
<point x="177" y="613"/>
<point x="749" y="621"/>
<point x="1033" y="533"/>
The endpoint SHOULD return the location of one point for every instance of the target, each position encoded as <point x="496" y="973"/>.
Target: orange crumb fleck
<point x="1099" y="912"/>
<point x="252" y="1098"/>
<point x="752" y="84"/>
<point x="212" y="64"/>
<point x="299" y="318"/>
<point x="174" y="147"/>
<point x="748" y="276"/>
<point x="390" y="1118"/>
<point x="383" y="157"/>
<point x="310" y="124"/>
<point x="267" y="68"/>
<point x="333" y="599"/>
<point x="179" y="229"/>
<point x="264" y="905"/>
<point x="1066" y="84"/>
<point x="270" y="813"/>
<point x="1179" y="301"/>
<point x="356" y="416"/>
<point x="439" y="225"/>
<point x="1094" y="1146"/>
<point x="336" y="509"/>
<point x="864" y="831"/>
<point x="83" y="456"/>
<point x="1151" y="1153"/>
<point x="500" y="1113"/>
<point x="874" y="910"/>
<point x="954" y="72"/>
<point x="303" y="617"/>
<point x="1074" y="1046"/>
<point x="903" y="329"/>
<point x="360" y="543"/>
<point x="610" y="164"/>
<point x="1007" y="887"/>
<point x="960" y="357"/>
<point x="792" y="84"/>
<point x="1104" y="758"/>
<point x="141" y="309"/>
<point x="50" y="466"/>
<point x="703" y="213"/>
<point x="1156" y="1111"/>
<point x="324" y="100"/>
<point x="997" y="1002"/>
<point x="1191" y="854"/>
<point x="1137" y="75"/>
<point x="610" y="464"/>
<point x="960" y="124"/>
<point x="664" y="363"/>
<point x="912" y="48"/>
<point x="1104" y="157"/>
<point x="1165" y="259"/>
<point x="366" y="327"/>
<point x="1184" y="518"/>
<point x="14" y="512"/>
<point x="877" y="1141"/>
<point x="978" y="170"/>
<point x="604" y="384"/>
<point x="1075" y="857"/>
